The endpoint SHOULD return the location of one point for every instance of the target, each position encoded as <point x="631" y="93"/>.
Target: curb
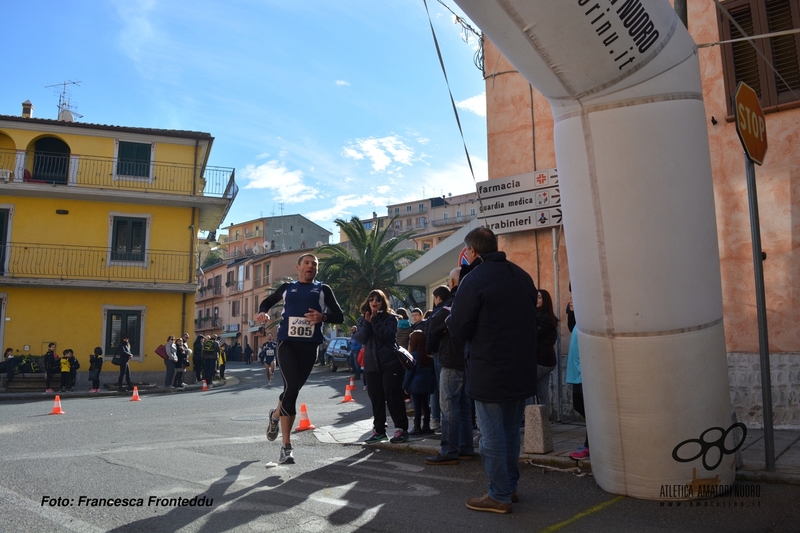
<point x="49" y="396"/>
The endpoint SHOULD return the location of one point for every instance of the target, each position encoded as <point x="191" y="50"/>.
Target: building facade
<point x="99" y="226"/>
<point x="272" y="234"/>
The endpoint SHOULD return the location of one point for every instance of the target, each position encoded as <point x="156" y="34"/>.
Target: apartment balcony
<point x="235" y="287"/>
<point x="44" y="265"/>
<point x="207" y="292"/>
<point x="253" y="234"/>
<point x="207" y="323"/>
<point x="110" y="179"/>
<point x="452" y="221"/>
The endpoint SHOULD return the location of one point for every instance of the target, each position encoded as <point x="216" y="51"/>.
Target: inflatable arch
<point x="623" y="81"/>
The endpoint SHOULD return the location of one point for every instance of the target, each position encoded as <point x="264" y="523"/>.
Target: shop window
<point x="119" y="322"/>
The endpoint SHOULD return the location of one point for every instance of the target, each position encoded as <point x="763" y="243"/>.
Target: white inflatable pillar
<point x="623" y="81"/>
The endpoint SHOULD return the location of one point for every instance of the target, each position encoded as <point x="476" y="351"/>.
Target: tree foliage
<point x="373" y="264"/>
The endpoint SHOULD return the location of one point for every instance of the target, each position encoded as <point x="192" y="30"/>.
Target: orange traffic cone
<point x="57" y="410"/>
<point x="305" y="423"/>
<point x="135" y="397"/>
<point x="347" y="396"/>
<point x="205" y="385"/>
<point x="352" y="385"/>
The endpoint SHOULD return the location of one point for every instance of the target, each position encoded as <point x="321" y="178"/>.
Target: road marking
<point x="587" y="512"/>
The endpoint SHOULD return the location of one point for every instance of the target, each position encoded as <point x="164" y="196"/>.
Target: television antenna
<point x="66" y="110"/>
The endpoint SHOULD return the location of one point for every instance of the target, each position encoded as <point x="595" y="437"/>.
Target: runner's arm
<point x="333" y="313"/>
<point x="270" y="301"/>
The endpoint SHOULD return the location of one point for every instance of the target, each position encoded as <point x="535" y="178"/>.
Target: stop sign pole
<point x="751" y="127"/>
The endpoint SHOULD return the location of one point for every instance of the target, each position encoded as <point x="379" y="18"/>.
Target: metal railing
<point x="207" y="322"/>
<point x="111" y="173"/>
<point x="452" y="220"/>
<point x="30" y="260"/>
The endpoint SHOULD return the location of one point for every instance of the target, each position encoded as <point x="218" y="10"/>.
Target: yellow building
<point x="99" y="226"/>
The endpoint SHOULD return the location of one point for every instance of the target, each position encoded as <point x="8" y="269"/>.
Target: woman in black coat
<point x="197" y="357"/>
<point x="377" y="331"/>
<point x="546" y="336"/>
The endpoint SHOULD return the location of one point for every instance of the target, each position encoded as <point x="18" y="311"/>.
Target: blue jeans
<point x="500" y="442"/>
<point x="456" y="411"/>
<point x="354" y="364"/>
<point x="435" y="407"/>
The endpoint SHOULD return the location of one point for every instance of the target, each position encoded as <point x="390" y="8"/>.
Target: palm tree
<point x="373" y="264"/>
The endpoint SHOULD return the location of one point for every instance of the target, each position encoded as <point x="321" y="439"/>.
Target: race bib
<point x="270" y="353"/>
<point x="300" y="327"/>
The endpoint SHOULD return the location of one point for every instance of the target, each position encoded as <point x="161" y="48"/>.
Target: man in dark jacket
<point x="456" y="409"/>
<point x="493" y="312"/>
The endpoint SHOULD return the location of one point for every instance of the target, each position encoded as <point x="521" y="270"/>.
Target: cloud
<point x="342" y="204"/>
<point x="137" y="31"/>
<point x="476" y="104"/>
<point x="342" y="83"/>
<point x="382" y="151"/>
<point x="287" y="185"/>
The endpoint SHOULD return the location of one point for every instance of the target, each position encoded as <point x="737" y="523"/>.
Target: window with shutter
<point x="133" y="159"/>
<point x="128" y="239"/>
<point x="741" y="61"/>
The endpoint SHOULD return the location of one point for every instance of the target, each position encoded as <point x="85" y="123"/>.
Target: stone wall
<point x="744" y="376"/>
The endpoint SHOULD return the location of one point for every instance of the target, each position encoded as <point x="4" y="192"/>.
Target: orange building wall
<point x="511" y="151"/>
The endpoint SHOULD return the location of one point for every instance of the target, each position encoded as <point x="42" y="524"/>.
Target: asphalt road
<point x="210" y="447"/>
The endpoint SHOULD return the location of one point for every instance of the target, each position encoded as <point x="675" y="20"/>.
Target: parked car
<point x="338" y="353"/>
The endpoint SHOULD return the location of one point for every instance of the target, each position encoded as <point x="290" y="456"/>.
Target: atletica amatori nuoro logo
<point x="706" y="446"/>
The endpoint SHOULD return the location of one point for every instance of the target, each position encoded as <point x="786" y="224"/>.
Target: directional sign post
<point x="751" y="127"/>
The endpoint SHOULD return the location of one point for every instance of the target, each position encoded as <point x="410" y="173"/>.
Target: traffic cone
<point x="205" y="385"/>
<point x="57" y="410"/>
<point x="352" y="385"/>
<point x="305" y="423"/>
<point x="135" y="397"/>
<point x="347" y="396"/>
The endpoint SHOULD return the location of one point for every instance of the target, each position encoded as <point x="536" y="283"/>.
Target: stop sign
<point x="750" y="124"/>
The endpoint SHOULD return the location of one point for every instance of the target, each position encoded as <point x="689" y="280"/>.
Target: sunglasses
<point x="375" y="298"/>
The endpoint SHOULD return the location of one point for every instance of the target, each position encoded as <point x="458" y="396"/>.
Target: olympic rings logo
<point x="707" y="446"/>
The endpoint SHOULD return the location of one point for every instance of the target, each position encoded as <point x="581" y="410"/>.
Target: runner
<point x="268" y="359"/>
<point x="307" y="304"/>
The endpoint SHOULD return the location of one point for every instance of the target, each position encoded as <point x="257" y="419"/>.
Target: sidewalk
<point x="145" y="389"/>
<point x="568" y="437"/>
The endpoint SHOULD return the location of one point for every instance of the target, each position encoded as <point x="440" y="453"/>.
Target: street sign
<point x="462" y="258"/>
<point x="750" y="124"/>
<point x="522" y="202"/>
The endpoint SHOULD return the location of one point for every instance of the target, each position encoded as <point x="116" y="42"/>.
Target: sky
<point x="330" y="109"/>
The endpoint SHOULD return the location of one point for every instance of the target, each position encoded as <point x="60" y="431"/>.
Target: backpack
<point x="208" y="345"/>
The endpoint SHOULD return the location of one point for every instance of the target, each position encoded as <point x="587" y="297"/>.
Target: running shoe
<point x="376" y="437"/>
<point x="272" y="429"/>
<point x="286" y="457"/>
<point x="401" y="435"/>
<point x="580" y="453"/>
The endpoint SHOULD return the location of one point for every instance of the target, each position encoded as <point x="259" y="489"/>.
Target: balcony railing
<point x="208" y="292"/>
<point x="235" y="287"/>
<point x="207" y="322"/>
<point x="253" y="234"/>
<point x="111" y="173"/>
<point x="30" y="260"/>
<point x="452" y="220"/>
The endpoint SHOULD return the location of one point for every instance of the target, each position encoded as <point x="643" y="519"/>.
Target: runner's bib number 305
<point x="300" y="327"/>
